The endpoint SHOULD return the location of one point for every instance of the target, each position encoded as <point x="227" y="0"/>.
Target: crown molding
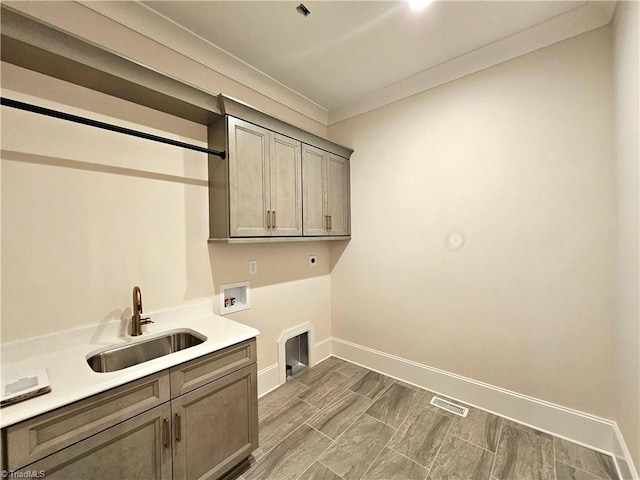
<point x="151" y="24"/>
<point x="562" y="27"/>
<point x="146" y="22"/>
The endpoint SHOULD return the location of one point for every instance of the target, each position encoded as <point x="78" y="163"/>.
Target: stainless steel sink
<point x="124" y="356"/>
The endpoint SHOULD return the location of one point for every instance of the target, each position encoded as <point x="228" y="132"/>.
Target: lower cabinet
<point x="203" y="451"/>
<point x="200" y="434"/>
<point x="134" y="449"/>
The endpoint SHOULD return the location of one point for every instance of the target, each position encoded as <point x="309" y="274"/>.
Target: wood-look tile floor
<point x="341" y="421"/>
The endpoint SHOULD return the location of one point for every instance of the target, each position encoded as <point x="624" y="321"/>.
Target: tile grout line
<point x="383" y="448"/>
<point x="336" y="440"/>
<point x="321" y="410"/>
<point x="580" y="470"/>
<point x="317" y="459"/>
<point x="355" y="379"/>
<point x="304" y="401"/>
<point x="328" y="468"/>
<point x="337" y="400"/>
<point x="271" y="414"/>
<point x="381" y="421"/>
<point x="471" y="443"/>
<point x="323" y="434"/>
<point x="283" y="439"/>
<point x="405" y="456"/>
<point x="435" y="457"/>
<point x="555" y="460"/>
<point x="495" y="457"/>
<point x="415" y="403"/>
<point x="353" y="423"/>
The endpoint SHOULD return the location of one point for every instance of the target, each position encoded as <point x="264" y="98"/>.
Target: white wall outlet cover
<point x="454" y="240"/>
<point x="253" y="267"/>
<point x="313" y="260"/>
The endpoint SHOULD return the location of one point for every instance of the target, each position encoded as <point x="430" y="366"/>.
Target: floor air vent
<point x="448" y="406"/>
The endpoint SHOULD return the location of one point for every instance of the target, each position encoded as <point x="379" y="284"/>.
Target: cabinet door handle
<point x="330" y="222"/>
<point x="165" y="432"/>
<point x="178" y="427"/>
<point x="326" y="222"/>
<point x="273" y="219"/>
<point x="268" y="219"/>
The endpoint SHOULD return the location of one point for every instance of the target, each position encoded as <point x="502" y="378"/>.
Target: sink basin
<point x="123" y="356"/>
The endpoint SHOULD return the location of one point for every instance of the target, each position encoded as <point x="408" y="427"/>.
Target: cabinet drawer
<point x="45" y="434"/>
<point x="201" y="371"/>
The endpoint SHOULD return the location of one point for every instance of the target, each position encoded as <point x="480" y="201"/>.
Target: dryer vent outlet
<point x="297" y="355"/>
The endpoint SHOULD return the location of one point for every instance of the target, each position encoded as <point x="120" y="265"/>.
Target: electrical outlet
<point x="253" y="267"/>
<point x="313" y="261"/>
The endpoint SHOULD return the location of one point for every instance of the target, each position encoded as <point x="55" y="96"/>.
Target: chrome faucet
<point x="137" y="320"/>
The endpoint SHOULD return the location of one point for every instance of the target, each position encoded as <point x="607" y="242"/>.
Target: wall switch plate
<point x="313" y="260"/>
<point x="253" y="267"/>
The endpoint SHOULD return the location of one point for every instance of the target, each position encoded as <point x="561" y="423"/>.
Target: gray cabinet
<point x="134" y="449"/>
<point x="208" y="449"/>
<point x="256" y="190"/>
<point x="45" y="434"/>
<point x="326" y="198"/>
<point x="278" y="182"/>
<point x="206" y="426"/>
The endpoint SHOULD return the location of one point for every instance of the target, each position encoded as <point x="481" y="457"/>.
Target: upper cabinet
<point x="265" y="189"/>
<point x="325" y="206"/>
<point x="274" y="184"/>
<point x="264" y="182"/>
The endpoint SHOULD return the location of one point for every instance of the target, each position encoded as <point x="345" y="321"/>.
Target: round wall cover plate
<point x="454" y="240"/>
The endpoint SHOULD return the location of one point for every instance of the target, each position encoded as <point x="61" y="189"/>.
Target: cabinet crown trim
<point x="238" y="109"/>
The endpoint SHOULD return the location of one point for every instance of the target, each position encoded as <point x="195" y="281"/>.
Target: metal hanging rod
<point x="105" y="126"/>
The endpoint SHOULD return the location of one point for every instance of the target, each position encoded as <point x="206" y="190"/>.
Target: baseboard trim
<point x="579" y="427"/>
<point x="621" y="453"/>
<point x="323" y="349"/>
<point x="268" y="379"/>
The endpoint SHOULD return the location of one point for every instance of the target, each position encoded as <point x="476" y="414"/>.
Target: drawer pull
<point x="178" y="427"/>
<point x="165" y="432"/>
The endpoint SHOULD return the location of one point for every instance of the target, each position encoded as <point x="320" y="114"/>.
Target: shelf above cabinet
<point x="33" y="45"/>
<point x="237" y="240"/>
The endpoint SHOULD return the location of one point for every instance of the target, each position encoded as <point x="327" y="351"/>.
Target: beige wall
<point x="627" y="126"/>
<point x="518" y="159"/>
<point x="88" y="214"/>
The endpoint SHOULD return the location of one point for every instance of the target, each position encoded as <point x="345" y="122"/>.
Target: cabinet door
<point x="314" y="191"/>
<point x="134" y="449"/>
<point x="249" y="180"/>
<point x="215" y="426"/>
<point x="286" y="186"/>
<point x="338" y="202"/>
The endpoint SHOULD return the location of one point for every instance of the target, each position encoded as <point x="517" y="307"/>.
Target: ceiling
<point x="344" y="50"/>
<point x="349" y="57"/>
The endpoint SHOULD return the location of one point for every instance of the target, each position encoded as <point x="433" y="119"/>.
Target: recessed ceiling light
<point x="417" y="5"/>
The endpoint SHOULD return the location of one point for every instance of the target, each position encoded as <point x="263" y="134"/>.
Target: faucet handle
<point x="145" y="320"/>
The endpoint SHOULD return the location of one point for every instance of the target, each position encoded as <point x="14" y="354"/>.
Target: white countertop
<point x="64" y="355"/>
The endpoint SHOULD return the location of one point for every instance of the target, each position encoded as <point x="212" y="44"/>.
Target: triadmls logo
<point x="23" y="474"/>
